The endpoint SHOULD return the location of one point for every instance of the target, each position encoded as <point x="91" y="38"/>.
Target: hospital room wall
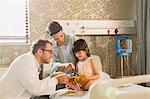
<point x="41" y="11"/>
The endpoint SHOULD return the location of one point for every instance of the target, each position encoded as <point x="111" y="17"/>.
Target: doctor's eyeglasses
<point x="50" y="51"/>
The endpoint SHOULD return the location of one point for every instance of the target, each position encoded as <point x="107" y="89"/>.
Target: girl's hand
<point x="76" y="87"/>
<point x="87" y="86"/>
<point x="70" y="66"/>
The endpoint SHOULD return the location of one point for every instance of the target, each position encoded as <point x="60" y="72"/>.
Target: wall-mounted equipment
<point x="97" y="27"/>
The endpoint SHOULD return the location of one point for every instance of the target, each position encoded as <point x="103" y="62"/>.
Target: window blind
<point x="14" y="22"/>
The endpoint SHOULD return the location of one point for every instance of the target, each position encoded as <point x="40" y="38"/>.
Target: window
<point x="14" y="27"/>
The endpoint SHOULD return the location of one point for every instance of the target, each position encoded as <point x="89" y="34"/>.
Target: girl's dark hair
<point x="80" y="45"/>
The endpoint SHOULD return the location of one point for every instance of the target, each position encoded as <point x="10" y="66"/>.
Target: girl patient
<point x="88" y="72"/>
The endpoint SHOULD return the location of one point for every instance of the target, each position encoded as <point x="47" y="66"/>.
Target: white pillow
<point x="98" y="61"/>
<point x="2" y="71"/>
<point x="104" y="76"/>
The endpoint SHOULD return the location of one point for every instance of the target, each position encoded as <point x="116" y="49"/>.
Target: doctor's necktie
<point x="41" y="72"/>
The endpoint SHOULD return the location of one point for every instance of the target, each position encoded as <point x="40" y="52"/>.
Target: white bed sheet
<point x="129" y="92"/>
<point x="133" y="92"/>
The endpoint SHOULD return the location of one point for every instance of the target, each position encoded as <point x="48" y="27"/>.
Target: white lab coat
<point x="22" y="79"/>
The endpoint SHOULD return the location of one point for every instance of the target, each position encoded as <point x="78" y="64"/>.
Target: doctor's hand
<point x="62" y="78"/>
<point x="56" y="74"/>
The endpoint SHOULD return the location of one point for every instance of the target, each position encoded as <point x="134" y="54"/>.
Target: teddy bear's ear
<point x="82" y="79"/>
<point x="72" y="80"/>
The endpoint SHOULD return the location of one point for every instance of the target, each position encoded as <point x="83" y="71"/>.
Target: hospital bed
<point x="123" y="88"/>
<point x="107" y="88"/>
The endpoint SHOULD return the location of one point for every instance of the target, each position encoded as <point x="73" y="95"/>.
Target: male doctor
<point x="22" y="78"/>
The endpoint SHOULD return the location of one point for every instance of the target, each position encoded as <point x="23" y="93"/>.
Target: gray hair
<point x="39" y="44"/>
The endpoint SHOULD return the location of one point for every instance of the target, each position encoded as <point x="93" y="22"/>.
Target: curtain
<point x="143" y="31"/>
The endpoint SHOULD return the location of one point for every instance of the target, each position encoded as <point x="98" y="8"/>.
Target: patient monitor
<point x="123" y="45"/>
